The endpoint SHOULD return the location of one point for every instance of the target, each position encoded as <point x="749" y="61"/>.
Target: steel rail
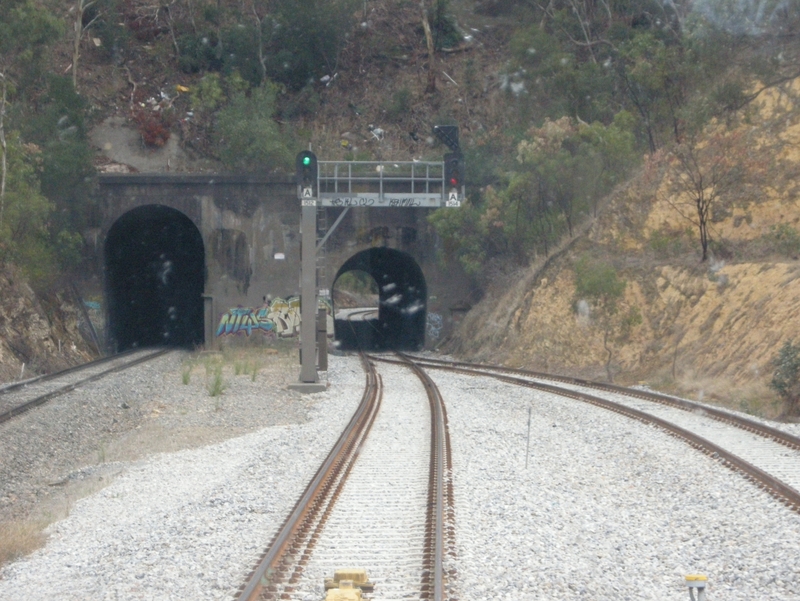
<point x="440" y="488"/>
<point x="318" y="489"/>
<point x="778" y="489"/>
<point x="40" y="400"/>
<point x="779" y="436"/>
<point x="46" y="377"/>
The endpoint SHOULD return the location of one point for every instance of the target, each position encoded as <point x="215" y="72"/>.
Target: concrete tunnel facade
<point x="230" y="270"/>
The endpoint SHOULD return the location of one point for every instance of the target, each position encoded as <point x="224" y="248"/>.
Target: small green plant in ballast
<point x="216" y="383"/>
<point x="186" y="374"/>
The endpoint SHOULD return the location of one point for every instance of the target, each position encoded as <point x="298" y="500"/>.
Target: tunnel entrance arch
<point x="402" y="303"/>
<point x="154" y="279"/>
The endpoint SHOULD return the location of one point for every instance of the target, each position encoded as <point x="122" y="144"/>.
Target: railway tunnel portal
<point x="155" y="276"/>
<point x="400" y="322"/>
<point x="230" y="270"/>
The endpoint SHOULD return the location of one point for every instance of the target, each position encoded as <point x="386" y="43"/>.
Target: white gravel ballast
<point x="191" y="524"/>
<point x="607" y="508"/>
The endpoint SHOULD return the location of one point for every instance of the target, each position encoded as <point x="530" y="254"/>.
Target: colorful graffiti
<point x="278" y="317"/>
<point x="434" y="325"/>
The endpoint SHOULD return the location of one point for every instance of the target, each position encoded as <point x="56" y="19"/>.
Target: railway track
<point x="16" y="399"/>
<point x="382" y="501"/>
<point x="765" y="455"/>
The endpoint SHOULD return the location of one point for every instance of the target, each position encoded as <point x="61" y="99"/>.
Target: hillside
<point x="552" y="116"/>
<point x="380" y="82"/>
<point x="709" y="330"/>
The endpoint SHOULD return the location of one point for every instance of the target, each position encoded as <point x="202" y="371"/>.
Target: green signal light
<point x="306" y="161"/>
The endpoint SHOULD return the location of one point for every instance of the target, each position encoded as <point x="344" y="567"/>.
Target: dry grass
<point x="18" y="539"/>
<point x="24" y="536"/>
<point x="754" y="398"/>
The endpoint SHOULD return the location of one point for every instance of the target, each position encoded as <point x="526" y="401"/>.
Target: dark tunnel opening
<point x="155" y="277"/>
<point x="402" y="303"/>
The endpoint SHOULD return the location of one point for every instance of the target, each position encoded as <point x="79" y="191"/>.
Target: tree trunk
<point x="703" y="206"/>
<point x="81" y="7"/>
<point x="3" y="162"/>
<point x="610" y="355"/>
<point x="262" y="60"/>
<point x="426" y="25"/>
<point x="76" y="46"/>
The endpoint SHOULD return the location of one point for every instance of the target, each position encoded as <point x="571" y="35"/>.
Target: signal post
<point x="362" y="184"/>
<point x="307" y="191"/>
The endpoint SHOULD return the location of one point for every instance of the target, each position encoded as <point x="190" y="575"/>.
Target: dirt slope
<point x="709" y="329"/>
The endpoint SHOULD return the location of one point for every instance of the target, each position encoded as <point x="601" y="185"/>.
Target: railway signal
<point x="448" y="135"/>
<point x="307" y="172"/>
<point x="454" y="171"/>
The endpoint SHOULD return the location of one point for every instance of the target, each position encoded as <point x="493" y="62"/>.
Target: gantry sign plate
<point x="389" y="199"/>
<point x="388" y="184"/>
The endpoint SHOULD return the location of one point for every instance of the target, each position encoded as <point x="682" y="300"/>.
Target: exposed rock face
<point x="709" y="329"/>
<point x="43" y="333"/>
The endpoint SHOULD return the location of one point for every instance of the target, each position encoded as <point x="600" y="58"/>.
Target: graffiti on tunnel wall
<point x="278" y="317"/>
<point x="433" y="325"/>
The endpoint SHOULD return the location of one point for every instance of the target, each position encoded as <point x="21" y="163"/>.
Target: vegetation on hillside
<point x="558" y="102"/>
<point x="586" y="88"/>
<point x="786" y="377"/>
<point x="600" y="84"/>
<point x="600" y="290"/>
<point x="46" y="160"/>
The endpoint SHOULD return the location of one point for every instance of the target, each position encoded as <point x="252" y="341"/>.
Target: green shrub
<point x="669" y="243"/>
<point x="399" y="105"/>
<point x="26" y="32"/>
<point x="241" y="53"/>
<point x="56" y="123"/>
<point x="786" y="239"/>
<point x="304" y="103"/>
<point x="25" y="212"/>
<point x="308" y="39"/>
<point x="199" y="52"/>
<point x="786" y="378"/>
<point x="249" y="139"/>
<point x="443" y="26"/>
<point x="110" y="27"/>
<point x="207" y="94"/>
<point x="68" y="247"/>
<point x="598" y="282"/>
<point x="216" y="385"/>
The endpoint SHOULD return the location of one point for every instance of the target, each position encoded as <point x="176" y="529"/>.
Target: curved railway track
<point x="20" y="397"/>
<point x="767" y="456"/>
<point x="373" y="504"/>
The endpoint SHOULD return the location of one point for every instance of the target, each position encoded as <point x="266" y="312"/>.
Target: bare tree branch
<point x="431" y="87"/>
<point x="262" y="60"/>
<point x="581" y="19"/>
